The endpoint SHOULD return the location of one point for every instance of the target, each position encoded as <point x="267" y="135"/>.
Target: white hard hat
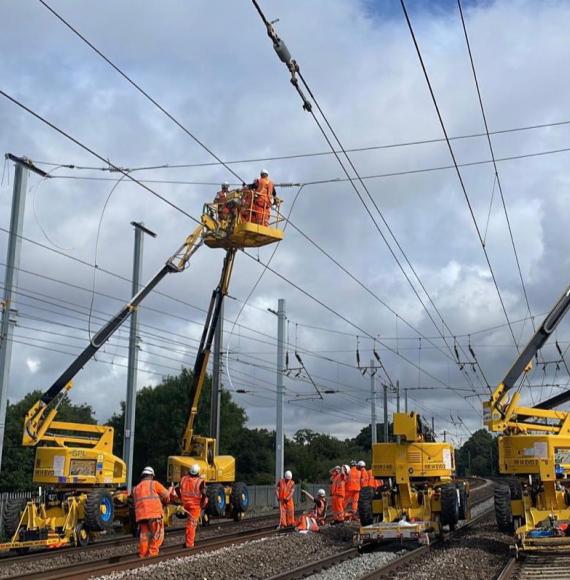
<point x="264" y="171"/>
<point x="194" y="469"/>
<point x="361" y="463"/>
<point x="346" y="468"/>
<point x="321" y="493"/>
<point x="288" y="475"/>
<point x="148" y="471"/>
<point x="226" y="183"/>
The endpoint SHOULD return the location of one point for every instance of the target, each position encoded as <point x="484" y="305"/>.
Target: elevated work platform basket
<point x="244" y="220"/>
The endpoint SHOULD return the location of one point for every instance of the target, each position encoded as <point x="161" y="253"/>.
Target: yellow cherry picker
<point x="80" y="481"/>
<point x="534" y="452"/>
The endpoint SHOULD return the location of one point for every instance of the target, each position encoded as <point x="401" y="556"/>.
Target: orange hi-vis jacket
<point x="264" y="188"/>
<point x="371" y="479"/>
<point x="365" y="480"/>
<point x="338" y="486"/>
<point x="149" y="496"/>
<point x="191" y="489"/>
<point x="285" y="489"/>
<point x="353" y="483"/>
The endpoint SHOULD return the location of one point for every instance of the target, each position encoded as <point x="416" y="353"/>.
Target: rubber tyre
<point x="503" y="511"/>
<point x="365" y="513"/>
<point x="239" y="500"/>
<point x="515" y="488"/>
<point x="216" y="500"/>
<point x="11" y="516"/>
<point x="99" y="511"/>
<point x="463" y="501"/>
<point x="449" y="507"/>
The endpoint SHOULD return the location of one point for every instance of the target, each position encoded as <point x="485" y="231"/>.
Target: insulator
<point x="282" y="50"/>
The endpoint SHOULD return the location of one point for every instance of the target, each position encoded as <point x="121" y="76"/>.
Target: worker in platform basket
<point x="221" y="200"/>
<point x="352" y="491"/>
<point x="194" y="499"/>
<point x="284" y="491"/>
<point x="148" y="497"/>
<point x="337" y="493"/>
<point x="257" y="209"/>
<point x="319" y="511"/>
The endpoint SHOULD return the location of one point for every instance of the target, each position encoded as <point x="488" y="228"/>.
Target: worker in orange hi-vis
<point x="319" y="511"/>
<point x="265" y="195"/>
<point x="148" y="497"/>
<point x="221" y="202"/>
<point x="194" y="500"/>
<point x="284" y="491"/>
<point x="352" y="491"/>
<point x="364" y="475"/>
<point x="337" y="494"/>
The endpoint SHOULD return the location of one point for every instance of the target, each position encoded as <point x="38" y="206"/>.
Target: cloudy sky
<point x="211" y="65"/>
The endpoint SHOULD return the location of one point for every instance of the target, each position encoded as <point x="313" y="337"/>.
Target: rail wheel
<point x="449" y="507"/>
<point x="81" y="536"/>
<point x="503" y="511"/>
<point x="99" y="511"/>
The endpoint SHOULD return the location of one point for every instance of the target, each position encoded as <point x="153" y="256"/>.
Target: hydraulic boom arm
<point x="204" y="350"/>
<point x="37" y="422"/>
<point x="501" y="414"/>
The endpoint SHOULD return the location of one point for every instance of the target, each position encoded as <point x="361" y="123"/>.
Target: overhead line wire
<point x="491" y="149"/>
<point x="138" y="88"/>
<point x="460" y="177"/>
<point x="308" y="155"/>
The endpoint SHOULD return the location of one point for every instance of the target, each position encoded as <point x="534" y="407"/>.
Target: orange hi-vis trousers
<point x="338" y="508"/>
<point x="351" y="502"/>
<point x="151" y="537"/>
<point x="286" y="512"/>
<point x="192" y="523"/>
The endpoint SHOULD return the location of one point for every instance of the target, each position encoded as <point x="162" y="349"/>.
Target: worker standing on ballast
<point x="364" y="475"/>
<point x="194" y="499"/>
<point x="148" y="497"/>
<point x="352" y="491"/>
<point x="337" y="494"/>
<point x="284" y="491"/>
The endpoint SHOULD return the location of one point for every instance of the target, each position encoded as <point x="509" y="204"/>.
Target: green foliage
<point x="478" y="455"/>
<point x="18" y="461"/>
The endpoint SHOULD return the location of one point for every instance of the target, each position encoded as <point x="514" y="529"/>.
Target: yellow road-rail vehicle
<point x="417" y="495"/>
<point x="81" y="483"/>
<point x="534" y="447"/>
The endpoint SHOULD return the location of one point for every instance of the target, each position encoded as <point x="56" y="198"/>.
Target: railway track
<point x="387" y="570"/>
<point x="130" y="561"/>
<point x="548" y="565"/>
<point x="122" y="540"/>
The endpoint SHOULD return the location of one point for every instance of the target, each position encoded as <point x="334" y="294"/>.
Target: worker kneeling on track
<point x="148" y="497"/>
<point x="319" y="511"/>
<point x="194" y="499"/>
<point x="284" y="491"/>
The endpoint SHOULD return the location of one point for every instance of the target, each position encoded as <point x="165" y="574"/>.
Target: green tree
<point x="161" y="417"/>
<point x="478" y="455"/>
<point x="18" y="461"/>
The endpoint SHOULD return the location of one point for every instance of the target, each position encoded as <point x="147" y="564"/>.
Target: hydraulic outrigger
<point x="83" y="479"/>
<point x="534" y="445"/>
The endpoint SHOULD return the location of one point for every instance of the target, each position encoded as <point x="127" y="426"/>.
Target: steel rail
<point x="86" y="570"/>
